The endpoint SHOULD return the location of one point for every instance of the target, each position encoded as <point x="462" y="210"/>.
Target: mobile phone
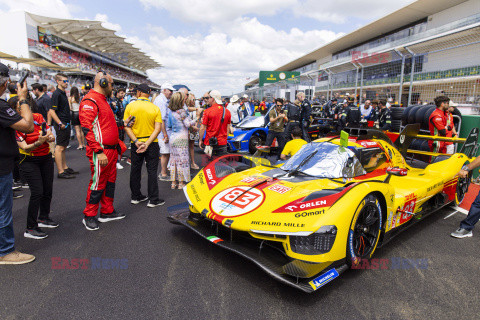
<point x="22" y="80"/>
<point x="129" y="123"/>
<point x="44" y="129"/>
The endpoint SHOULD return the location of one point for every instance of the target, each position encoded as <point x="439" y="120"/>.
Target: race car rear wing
<point x="410" y="132"/>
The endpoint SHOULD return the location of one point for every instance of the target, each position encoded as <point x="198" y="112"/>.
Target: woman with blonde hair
<point x="178" y="123"/>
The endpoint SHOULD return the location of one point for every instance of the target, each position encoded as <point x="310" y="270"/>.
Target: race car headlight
<point x="240" y="137"/>
<point x="317" y="243"/>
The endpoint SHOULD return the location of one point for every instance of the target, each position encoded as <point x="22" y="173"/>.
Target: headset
<point x="103" y="81"/>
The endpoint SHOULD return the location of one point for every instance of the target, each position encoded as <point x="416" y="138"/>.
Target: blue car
<point x="248" y="134"/>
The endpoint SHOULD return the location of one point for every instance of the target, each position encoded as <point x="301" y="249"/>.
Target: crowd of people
<point x="36" y="128"/>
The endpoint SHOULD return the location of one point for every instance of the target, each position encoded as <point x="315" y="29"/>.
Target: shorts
<point x="164" y="147"/>
<point x="75" y="118"/>
<point x="63" y="136"/>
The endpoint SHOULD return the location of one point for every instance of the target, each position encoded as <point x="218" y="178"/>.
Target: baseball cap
<point x="143" y="87"/>
<point x="245" y="96"/>
<point x="234" y="98"/>
<point x="452" y="104"/>
<point x="168" y="86"/>
<point x="4" y="70"/>
<point x="215" y="94"/>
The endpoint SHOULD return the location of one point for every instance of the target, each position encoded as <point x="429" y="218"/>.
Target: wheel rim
<point x="462" y="187"/>
<point x="366" y="233"/>
<point x="255" y="141"/>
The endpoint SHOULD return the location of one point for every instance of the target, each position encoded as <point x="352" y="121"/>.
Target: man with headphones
<point x="103" y="147"/>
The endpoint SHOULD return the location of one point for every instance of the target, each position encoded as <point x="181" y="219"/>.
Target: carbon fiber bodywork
<point x="265" y="254"/>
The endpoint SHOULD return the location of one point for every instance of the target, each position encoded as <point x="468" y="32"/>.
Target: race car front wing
<point x="267" y="255"/>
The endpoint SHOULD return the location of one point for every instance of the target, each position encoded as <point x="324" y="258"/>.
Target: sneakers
<point x="16" y="185"/>
<point x="16" y="257"/>
<point x="163" y="178"/>
<point x="90" y="223"/>
<point x="65" y="175"/>
<point x="137" y="201"/>
<point x="47" y="223"/>
<point x="462" y="233"/>
<point x="153" y="204"/>
<point x="119" y="166"/>
<point x="35" y="233"/>
<point x="25" y="185"/>
<point x="110" y="217"/>
<point x="71" y="171"/>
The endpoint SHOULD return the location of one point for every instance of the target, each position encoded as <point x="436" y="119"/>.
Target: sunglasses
<point x="279" y="105"/>
<point x="65" y="81"/>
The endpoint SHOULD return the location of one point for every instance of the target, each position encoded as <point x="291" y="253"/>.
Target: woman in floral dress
<point x="178" y="123"/>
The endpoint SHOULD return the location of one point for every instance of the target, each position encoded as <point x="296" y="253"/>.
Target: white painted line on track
<point x="457" y="209"/>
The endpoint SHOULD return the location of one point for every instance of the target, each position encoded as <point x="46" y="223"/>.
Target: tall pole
<point x="410" y="90"/>
<point x="400" y="89"/>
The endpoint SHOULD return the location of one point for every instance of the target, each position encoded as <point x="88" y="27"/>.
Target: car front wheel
<point x="365" y="230"/>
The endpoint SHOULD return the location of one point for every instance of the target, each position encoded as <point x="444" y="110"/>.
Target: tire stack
<point x="417" y="114"/>
<point x="397" y="114"/>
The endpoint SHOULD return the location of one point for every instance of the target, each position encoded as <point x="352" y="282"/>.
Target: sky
<point x="218" y="44"/>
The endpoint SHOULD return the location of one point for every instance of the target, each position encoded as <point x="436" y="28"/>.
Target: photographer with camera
<point x="216" y="122"/>
<point x="11" y="120"/>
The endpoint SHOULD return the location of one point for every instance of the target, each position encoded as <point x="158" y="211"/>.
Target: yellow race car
<point x="325" y="209"/>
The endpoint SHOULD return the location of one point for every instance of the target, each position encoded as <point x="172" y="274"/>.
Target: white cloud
<point x="339" y="11"/>
<point x="106" y="23"/>
<point x="217" y="11"/>
<point x="43" y="7"/>
<point x="225" y="57"/>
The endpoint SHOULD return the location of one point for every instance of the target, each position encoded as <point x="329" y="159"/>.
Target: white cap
<point x="168" y="86"/>
<point x="245" y="96"/>
<point x="234" y="98"/>
<point x="452" y="104"/>
<point x="215" y="94"/>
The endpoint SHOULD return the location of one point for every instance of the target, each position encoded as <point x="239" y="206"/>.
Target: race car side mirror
<point x="395" y="171"/>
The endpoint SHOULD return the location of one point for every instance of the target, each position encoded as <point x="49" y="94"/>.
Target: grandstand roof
<point x="92" y="35"/>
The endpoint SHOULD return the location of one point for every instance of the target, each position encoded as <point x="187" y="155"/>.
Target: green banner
<point x="275" y="76"/>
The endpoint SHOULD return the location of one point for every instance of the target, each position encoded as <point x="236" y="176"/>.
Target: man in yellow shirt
<point x="147" y="125"/>
<point x="294" y="145"/>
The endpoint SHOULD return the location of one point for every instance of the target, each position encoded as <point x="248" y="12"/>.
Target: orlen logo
<point x="313" y="204"/>
<point x="210" y="177"/>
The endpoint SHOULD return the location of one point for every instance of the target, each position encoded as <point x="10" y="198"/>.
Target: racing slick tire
<point x="397" y="113"/>
<point x="426" y="117"/>
<point x="413" y="114"/>
<point x="255" y="140"/>
<point x="405" y="115"/>
<point x="396" y="124"/>
<point x="364" y="230"/>
<point x="420" y="116"/>
<point x="462" y="187"/>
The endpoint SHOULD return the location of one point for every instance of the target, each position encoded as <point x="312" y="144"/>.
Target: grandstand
<point x="427" y="48"/>
<point x="79" y="48"/>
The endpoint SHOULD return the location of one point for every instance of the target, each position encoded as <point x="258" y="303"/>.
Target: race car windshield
<point x="251" y="122"/>
<point x="328" y="161"/>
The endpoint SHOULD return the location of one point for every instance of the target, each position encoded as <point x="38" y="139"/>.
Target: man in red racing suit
<point x="103" y="147"/>
<point x="437" y="124"/>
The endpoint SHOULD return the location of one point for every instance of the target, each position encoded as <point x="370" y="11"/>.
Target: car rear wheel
<point x="255" y="141"/>
<point x="462" y="188"/>
<point x="365" y="230"/>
